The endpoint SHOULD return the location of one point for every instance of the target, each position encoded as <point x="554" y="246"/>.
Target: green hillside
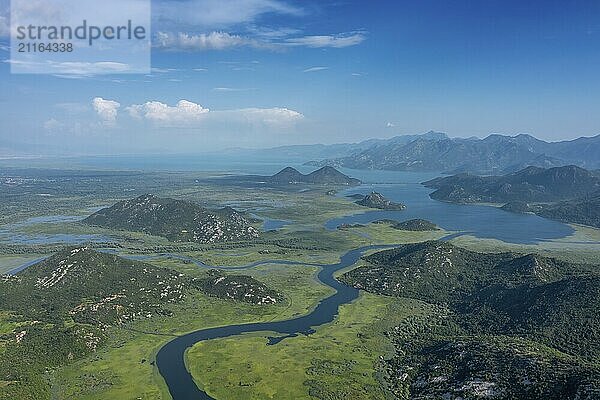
<point x="177" y="220"/>
<point x="59" y="310"/>
<point x="506" y="315"/>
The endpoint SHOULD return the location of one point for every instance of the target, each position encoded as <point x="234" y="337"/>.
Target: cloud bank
<point x="185" y="112"/>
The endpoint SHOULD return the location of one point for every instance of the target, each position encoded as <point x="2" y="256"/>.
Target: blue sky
<point x="256" y="73"/>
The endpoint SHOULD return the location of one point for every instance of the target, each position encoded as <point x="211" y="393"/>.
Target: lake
<point x="484" y="222"/>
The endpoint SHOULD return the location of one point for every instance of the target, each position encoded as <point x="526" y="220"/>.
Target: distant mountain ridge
<point x="176" y="220"/>
<point x="324" y="176"/>
<point x="568" y="194"/>
<point x="532" y="184"/>
<point x="435" y="151"/>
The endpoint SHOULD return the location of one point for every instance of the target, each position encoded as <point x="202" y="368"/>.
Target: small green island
<point x="378" y="201"/>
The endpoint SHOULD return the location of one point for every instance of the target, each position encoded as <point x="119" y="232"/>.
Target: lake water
<point x="271" y="224"/>
<point x="404" y="187"/>
<point x="12" y="234"/>
<point x="480" y="221"/>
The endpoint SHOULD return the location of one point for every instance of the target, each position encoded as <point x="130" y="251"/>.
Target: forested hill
<point x="499" y="316"/>
<point x="567" y="194"/>
<point x="177" y="220"/>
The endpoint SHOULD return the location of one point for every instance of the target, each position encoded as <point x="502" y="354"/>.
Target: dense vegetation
<point x="177" y="220"/>
<point x="238" y="287"/>
<point x="584" y="211"/>
<point x="377" y="200"/>
<point x="529" y="185"/>
<point x="568" y="194"/>
<point x="496" y="303"/>
<point x="415" y="225"/>
<point x="58" y="311"/>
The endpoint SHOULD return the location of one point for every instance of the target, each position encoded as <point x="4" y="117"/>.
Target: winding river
<point x="170" y="358"/>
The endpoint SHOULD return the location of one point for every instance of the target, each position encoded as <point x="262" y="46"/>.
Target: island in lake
<point x="378" y="201"/>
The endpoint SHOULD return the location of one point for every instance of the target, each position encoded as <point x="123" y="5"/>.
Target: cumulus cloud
<point x="158" y="117"/>
<point x="185" y="112"/>
<point x="106" y="109"/>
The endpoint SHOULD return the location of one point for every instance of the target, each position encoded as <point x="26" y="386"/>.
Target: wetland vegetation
<point x="99" y="338"/>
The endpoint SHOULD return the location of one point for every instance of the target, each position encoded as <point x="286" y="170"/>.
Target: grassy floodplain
<point x="339" y="361"/>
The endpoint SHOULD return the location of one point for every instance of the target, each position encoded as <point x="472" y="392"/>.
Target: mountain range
<point x="532" y="184"/>
<point x="435" y="151"/>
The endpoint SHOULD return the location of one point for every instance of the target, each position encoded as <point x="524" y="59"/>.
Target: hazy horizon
<point x="267" y="73"/>
<point x="234" y="149"/>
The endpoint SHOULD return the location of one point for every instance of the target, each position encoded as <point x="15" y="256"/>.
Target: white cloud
<point x="74" y="69"/>
<point x="230" y="89"/>
<point x="164" y="70"/>
<point x="270" y="33"/>
<point x="218" y="13"/>
<point x="390" y="125"/>
<point x="204" y="41"/>
<point x="335" y="41"/>
<point x="219" y="40"/>
<point x="269" y="116"/>
<point x="185" y="112"/>
<point x="158" y="118"/>
<point x="315" y="69"/>
<point x="106" y="109"/>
